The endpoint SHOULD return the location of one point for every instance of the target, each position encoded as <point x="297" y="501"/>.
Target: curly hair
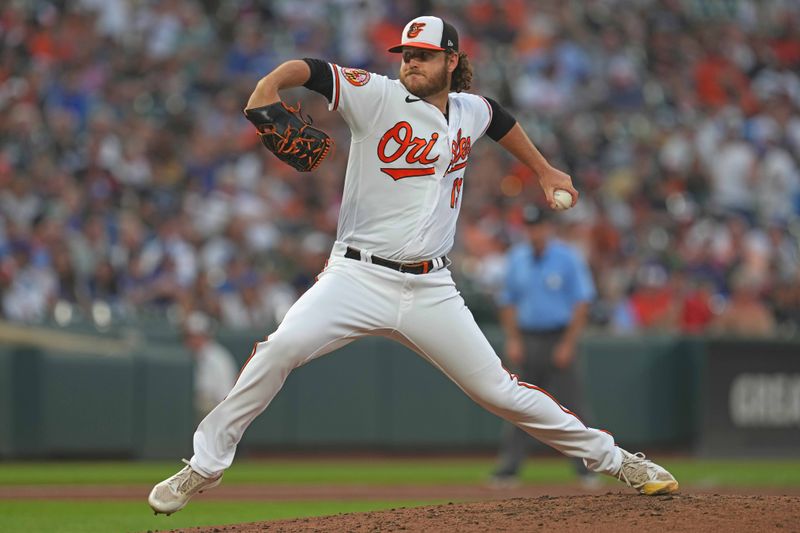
<point x="462" y="75"/>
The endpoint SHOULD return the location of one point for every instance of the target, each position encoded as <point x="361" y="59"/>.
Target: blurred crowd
<point x="131" y="184"/>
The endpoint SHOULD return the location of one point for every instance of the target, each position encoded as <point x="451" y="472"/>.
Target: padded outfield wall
<point x="77" y="394"/>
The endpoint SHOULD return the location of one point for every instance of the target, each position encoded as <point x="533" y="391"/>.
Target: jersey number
<point x="456" y="192"/>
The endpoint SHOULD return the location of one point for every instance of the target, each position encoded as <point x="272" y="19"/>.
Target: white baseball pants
<point x="352" y="299"/>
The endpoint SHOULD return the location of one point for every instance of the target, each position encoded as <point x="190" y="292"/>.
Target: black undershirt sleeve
<point x="321" y="80"/>
<point x="502" y="121"/>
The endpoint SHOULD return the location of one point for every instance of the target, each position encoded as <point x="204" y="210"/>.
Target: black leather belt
<point x="422" y="267"/>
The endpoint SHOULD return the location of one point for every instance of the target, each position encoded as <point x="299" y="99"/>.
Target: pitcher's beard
<point x="424" y="87"/>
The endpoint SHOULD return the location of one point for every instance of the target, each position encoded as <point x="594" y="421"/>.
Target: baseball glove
<point x="289" y="136"/>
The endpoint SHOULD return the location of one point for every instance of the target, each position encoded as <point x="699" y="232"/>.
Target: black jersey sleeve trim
<point x="501" y="123"/>
<point x="321" y="79"/>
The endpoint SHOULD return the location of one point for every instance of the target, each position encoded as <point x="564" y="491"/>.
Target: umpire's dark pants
<point x="563" y="383"/>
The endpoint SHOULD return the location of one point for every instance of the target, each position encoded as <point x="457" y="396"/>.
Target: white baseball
<point x="562" y="198"/>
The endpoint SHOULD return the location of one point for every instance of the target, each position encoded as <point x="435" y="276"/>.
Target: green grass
<point x="290" y="471"/>
<point x="79" y="516"/>
<point x="27" y="516"/>
<point x="387" y="472"/>
<point x="736" y="473"/>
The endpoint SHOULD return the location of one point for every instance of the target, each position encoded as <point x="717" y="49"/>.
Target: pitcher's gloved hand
<point x="289" y="136"/>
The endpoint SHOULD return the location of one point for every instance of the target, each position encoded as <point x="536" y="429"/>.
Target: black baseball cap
<point x="533" y="214"/>
<point x="431" y="33"/>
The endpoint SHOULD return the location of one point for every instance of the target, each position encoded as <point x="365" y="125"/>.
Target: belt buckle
<point x="418" y="264"/>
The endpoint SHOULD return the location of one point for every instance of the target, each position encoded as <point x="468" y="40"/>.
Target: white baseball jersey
<point x="406" y="168"/>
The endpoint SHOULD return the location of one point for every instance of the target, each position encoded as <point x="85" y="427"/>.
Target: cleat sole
<point x="655" y="488"/>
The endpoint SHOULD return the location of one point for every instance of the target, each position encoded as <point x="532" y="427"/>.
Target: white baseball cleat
<point x="644" y="475"/>
<point x="174" y="493"/>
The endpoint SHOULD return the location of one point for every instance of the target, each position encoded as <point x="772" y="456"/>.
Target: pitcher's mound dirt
<point x="607" y="512"/>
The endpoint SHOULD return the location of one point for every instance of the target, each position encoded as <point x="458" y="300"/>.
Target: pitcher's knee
<point x="500" y="399"/>
<point x="269" y="355"/>
<point x="277" y="353"/>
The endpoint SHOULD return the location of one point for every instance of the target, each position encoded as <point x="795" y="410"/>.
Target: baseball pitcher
<point x="388" y="270"/>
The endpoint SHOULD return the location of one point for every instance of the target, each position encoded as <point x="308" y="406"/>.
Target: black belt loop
<point x="423" y="267"/>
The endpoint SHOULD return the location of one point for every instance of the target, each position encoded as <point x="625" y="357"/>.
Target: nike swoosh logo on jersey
<point x="412" y="100"/>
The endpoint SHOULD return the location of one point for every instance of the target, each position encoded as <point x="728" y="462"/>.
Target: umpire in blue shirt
<point x="543" y="310"/>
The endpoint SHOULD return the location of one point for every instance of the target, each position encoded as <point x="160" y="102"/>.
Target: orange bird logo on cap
<point x="415" y="29"/>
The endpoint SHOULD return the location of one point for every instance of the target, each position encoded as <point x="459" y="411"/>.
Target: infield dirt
<point x="582" y="513"/>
